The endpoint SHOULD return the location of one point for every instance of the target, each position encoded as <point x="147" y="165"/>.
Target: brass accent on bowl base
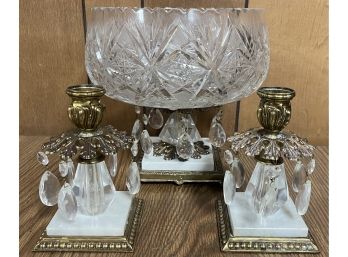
<point x="230" y="243"/>
<point x="180" y="177"/>
<point x="123" y="243"/>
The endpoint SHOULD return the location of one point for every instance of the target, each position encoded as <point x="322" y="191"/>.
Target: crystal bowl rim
<point x="182" y="10"/>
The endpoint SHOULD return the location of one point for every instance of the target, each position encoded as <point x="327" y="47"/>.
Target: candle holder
<point x="92" y="215"/>
<point x="264" y="218"/>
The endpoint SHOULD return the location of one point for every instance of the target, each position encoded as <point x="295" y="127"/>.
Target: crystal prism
<point x="299" y="177"/>
<point x="303" y="197"/>
<point x="271" y="189"/>
<point x="155" y="119"/>
<point x="133" y="179"/>
<point x="42" y="158"/>
<point x="238" y="172"/>
<point x="112" y="164"/>
<point x="93" y="187"/>
<point x="71" y="171"/>
<point x="67" y="203"/>
<point x="145" y="119"/>
<point x="63" y="168"/>
<point x="137" y="109"/>
<point x="146" y="143"/>
<point x="49" y="188"/>
<point x="185" y="146"/>
<point x="228" y="156"/>
<point x="134" y="149"/>
<point x="311" y="166"/>
<point x="217" y="135"/>
<point x="137" y="129"/>
<point x="176" y="125"/>
<point x="229" y="187"/>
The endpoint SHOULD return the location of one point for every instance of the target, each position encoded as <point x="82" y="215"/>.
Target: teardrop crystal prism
<point x="229" y="187"/>
<point x="146" y="143"/>
<point x="303" y="198"/>
<point x="134" y="149"/>
<point x="112" y="164"/>
<point x="137" y="129"/>
<point x="299" y="176"/>
<point x="42" y="158"/>
<point x="137" y="109"/>
<point x="133" y="179"/>
<point x="228" y="156"/>
<point x="217" y="135"/>
<point x="311" y="166"/>
<point x="67" y="204"/>
<point x="145" y="119"/>
<point x="63" y="168"/>
<point x="185" y="146"/>
<point x="238" y="172"/>
<point x="155" y="119"/>
<point x="49" y="188"/>
<point x="71" y="171"/>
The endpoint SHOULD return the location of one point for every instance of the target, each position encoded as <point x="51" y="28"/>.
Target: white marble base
<point x="156" y="163"/>
<point x="110" y="223"/>
<point x="284" y="223"/>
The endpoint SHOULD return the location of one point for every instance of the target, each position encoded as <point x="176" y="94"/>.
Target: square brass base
<point x="180" y="177"/>
<point x="230" y="243"/>
<point x="123" y="243"/>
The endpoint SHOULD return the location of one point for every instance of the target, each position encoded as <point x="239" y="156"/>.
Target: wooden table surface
<point x="176" y="220"/>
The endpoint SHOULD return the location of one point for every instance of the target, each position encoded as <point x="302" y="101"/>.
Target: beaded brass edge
<point x="180" y="177"/>
<point x="230" y="243"/>
<point x="123" y="243"/>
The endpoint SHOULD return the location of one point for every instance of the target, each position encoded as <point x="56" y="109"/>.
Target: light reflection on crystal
<point x="42" y="158"/>
<point x="238" y="172"/>
<point x="228" y="156"/>
<point x="137" y="129"/>
<point x="49" y="188"/>
<point x="311" y="166"/>
<point x="137" y="109"/>
<point x="229" y="187"/>
<point x="145" y="119"/>
<point x="134" y="149"/>
<point x="63" y="168"/>
<point x="146" y="143"/>
<point x="303" y="198"/>
<point x="112" y="164"/>
<point x="155" y="118"/>
<point x="217" y="135"/>
<point x="299" y="177"/>
<point x="185" y="146"/>
<point x="67" y="203"/>
<point x="133" y="179"/>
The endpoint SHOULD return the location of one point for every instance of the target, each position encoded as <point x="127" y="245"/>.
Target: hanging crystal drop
<point x="217" y="135"/>
<point x="299" y="176"/>
<point x="185" y="146"/>
<point x="303" y="198"/>
<point x="63" y="168"/>
<point x="229" y="187"/>
<point x="133" y="179"/>
<point x="137" y="129"/>
<point x="134" y="149"/>
<point x="238" y="172"/>
<point x="49" y="188"/>
<point x="145" y="119"/>
<point x="67" y="204"/>
<point x="137" y="109"/>
<point x="146" y="143"/>
<point x="42" y="158"/>
<point x="112" y="164"/>
<point x="71" y="171"/>
<point x="155" y="119"/>
<point x="228" y="156"/>
<point x="311" y="166"/>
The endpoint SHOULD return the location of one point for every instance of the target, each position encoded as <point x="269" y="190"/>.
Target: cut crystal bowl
<point x="177" y="58"/>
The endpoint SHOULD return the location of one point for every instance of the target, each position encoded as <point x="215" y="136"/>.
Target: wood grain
<point x="298" y="32"/>
<point x="51" y="57"/>
<point x="176" y="221"/>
